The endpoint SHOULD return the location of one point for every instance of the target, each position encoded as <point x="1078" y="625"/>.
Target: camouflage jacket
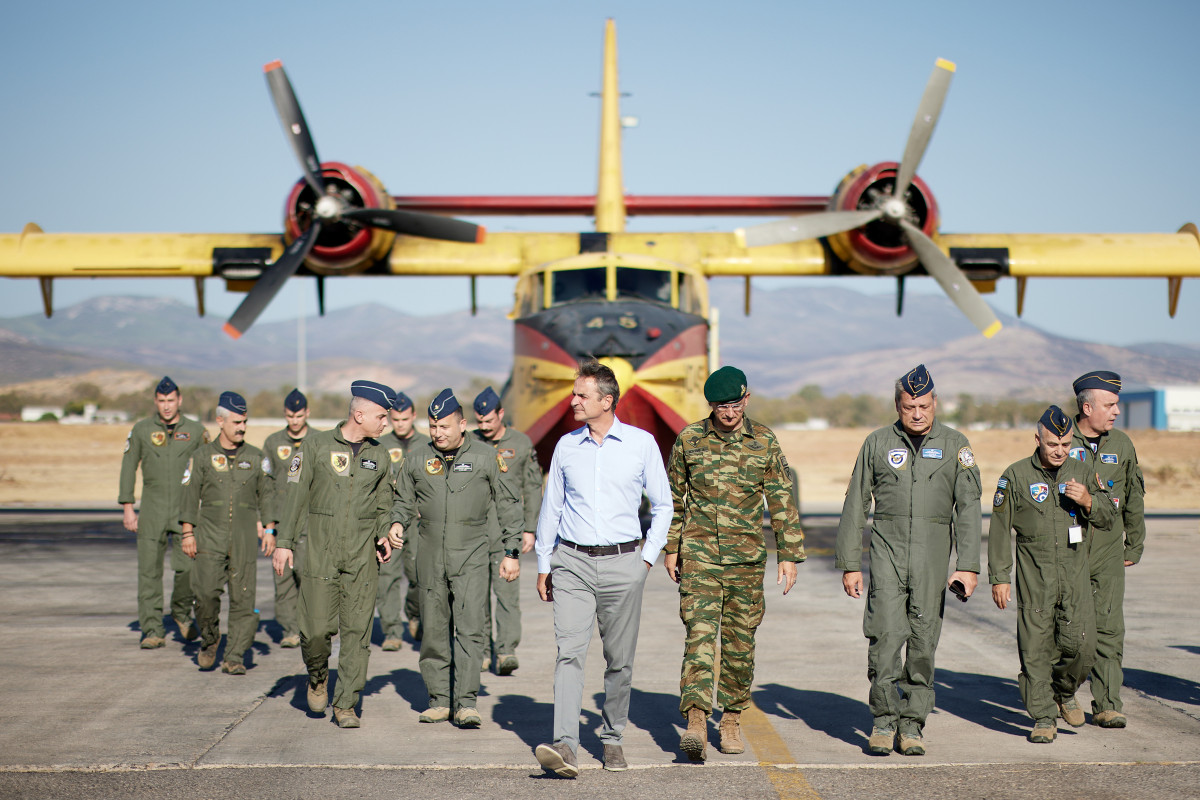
<point x="718" y="483"/>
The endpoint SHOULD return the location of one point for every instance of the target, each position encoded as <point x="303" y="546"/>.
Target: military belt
<point x="890" y="517"/>
<point x="595" y="550"/>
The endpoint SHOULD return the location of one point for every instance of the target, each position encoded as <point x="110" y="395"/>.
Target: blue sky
<point x="1063" y="117"/>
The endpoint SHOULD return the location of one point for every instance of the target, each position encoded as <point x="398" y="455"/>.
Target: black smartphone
<point x="959" y="590"/>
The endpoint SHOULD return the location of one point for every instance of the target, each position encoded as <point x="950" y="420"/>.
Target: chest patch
<point x="158" y="438"/>
<point x="500" y="462"/>
<point x="966" y="457"/>
<point x="434" y="466"/>
<point x="1116" y="502"/>
<point x="369" y="464"/>
<point x="897" y="458"/>
<point x="755" y="446"/>
<point x="244" y="465"/>
<point x="1039" y="492"/>
<point x="1109" y="458"/>
<point x="396" y="454"/>
<point x="464" y="466"/>
<point x="220" y="462"/>
<point x="340" y="462"/>
<point x="931" y="452"/>
<point x="283" y="451"/>
<point x="183" y="436"/>
<point x="1077" y="453"/>
<point x="507" y="453"/>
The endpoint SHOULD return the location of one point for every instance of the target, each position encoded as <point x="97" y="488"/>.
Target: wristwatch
<point x="514" y="553"/>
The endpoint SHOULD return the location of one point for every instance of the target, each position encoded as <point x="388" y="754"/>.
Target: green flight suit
<point x="521" y="470"/>
<point x="453" y="496"/>
<point x="718" y="485"/>
<point x="279" y="449"/>
<point x="926" y="501"/>
<point x="1056" y="620"/>
<point x="403" y="567"/>
<point x="1115" y="460"/>
<point x="163" y="452"/>
<point x="224" y="498"/>
<point x="346" y="498"/>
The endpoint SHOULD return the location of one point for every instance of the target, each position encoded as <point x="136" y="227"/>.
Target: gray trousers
<point x="588" y="590"/>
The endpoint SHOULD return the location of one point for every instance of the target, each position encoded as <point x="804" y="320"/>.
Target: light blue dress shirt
<point x="593" y="492"/>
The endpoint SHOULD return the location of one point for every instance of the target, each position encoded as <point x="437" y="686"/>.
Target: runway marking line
<point x="772" y="752"/>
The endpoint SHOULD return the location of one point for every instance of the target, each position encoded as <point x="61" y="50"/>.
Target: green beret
<point x="726" y="385"/>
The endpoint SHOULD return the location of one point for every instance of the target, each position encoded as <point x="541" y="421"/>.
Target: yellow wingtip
<point x="946" y="65"/>
<point x="992" y="329"/>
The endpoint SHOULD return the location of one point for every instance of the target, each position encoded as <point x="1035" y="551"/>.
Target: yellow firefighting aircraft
<point x="638" y="302"/>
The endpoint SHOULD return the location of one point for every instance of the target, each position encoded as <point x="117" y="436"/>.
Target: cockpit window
<point x="578" y="284"/>
<point x="647" y="284"/>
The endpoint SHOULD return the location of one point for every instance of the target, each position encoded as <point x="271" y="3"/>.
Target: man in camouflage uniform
<point x="162" y="445"/>
<point x="340" y="481"/>
<point x="1109" y="453"/>
<point x="1053" y="504"/>
<point x="453" y="483"/>
<point x="280" y="446"/>
<point x="720" y="470"/>
<point x="391" y="599"/>
<point x="228" y="495"/>
<point x="925" y="484"/>
<point x="519" y="467"/>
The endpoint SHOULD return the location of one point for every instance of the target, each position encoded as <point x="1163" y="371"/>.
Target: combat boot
<point x="390" y="643"/>
<point x="881" y="741"/>
<point x="506" y="664"/>
<point x="346" y="717"/>
<point x="1069" y="710"/>
<point x="233" y="668"/>
<point x="1109" y="719"/>
<point x="188" y="630"/>
<point x="318" y="696"/>
<point x="694" y="741"/>
<point x="731" y="733"/>
<point x="414" y="630"/>
<point x="911" y="744"/>
<point x="1044" y="731"/>
<point x="207" y="657"/>
<point x="290" y="641"/>
<point x="467" y="718"/>
<point x="435" y="714"/>
<point x="153" y="642"/>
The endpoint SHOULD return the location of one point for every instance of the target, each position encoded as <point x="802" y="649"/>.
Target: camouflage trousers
<point x="725" y="601"/>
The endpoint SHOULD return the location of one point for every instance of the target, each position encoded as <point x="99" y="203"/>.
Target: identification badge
<point x="1074" y="534"/>
<point x="508" y="453"/>
<point x="183" y="436"/>
<point x="465" y="466"/>
<point x="1108" y="458"/>
<point x="931" y="452"/>
<point x="369" y="464"/>
<point x="244" y="465"/>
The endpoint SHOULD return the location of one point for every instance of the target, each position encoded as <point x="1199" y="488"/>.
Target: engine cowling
<point x="344" y="247"/>
<point x="879" y="248"/>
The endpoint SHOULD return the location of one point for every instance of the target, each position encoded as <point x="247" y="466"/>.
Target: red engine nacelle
<point x="343" y="247"/>
<point x="878" y="248"/>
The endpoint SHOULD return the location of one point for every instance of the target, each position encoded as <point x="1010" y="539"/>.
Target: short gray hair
<point x="223" y="412"/>
<point x="1085" y="396"/>
<point x="606" y="380"/>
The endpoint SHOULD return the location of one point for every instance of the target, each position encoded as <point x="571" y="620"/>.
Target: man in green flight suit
<point x="720" y="470"/>
<point x="162" y="445"/>
<point x="228" y="495"/>
<point x="1110" y="454"/>
<point x="519" y="467"/>
<point x="453" y="483"/>
<point x="391" y="598"/>
<point x="280" y="446"/>
<point x="926" y="487"/>
<point x="1054" y="505"/>
<point x="341" y="483"/>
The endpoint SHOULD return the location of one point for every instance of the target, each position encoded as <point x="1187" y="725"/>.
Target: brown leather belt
<point x="602" y="549"/>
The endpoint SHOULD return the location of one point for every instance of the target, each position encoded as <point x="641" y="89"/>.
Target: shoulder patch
<point x="500" y="460"/>
<point x="187" y="473"/>
<point x="205" y="438"/>
<point x="126" y="450"/>
<point x="266" y="465"/>
<point x="1002" y="483"/>
<point x="966" y="457"/>
<point x="998" y="499"/>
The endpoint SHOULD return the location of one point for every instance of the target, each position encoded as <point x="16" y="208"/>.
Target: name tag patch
<point x="369" y="464"/>
<point x="931" y="452"/>
<point x="464" y="467"/>
<point x="1108" y="458"/>
<point x="183" y="436"/>
<point x="243" y="465"/>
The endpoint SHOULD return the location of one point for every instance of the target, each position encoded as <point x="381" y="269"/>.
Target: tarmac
<point x="88" y="713"/>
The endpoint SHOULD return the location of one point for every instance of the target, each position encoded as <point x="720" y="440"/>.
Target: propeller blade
<point x="271" y="281"/>
<point x="415" y="223"/>
<point x="922" y="129"/>
<point x="294" y="126"/>
<point x="810" y="226"/>
<point x="953" y="281"/>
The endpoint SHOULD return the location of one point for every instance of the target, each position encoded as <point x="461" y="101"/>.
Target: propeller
<point x="330" y="207"/>
<point x="894" y="209"/>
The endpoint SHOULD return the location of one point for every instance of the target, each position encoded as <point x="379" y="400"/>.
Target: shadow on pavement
<point x="995" y="703"/>
<point x="657" y="714"/>
<point x="408" y="684"/>
<point x="1164" y="687"/>
<point x="836" y="716"/>
<point x="531" y="721"/>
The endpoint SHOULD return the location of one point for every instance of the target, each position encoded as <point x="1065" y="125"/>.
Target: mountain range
<point x="836" y="338"/>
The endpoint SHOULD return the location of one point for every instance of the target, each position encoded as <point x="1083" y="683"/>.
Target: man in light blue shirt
<point x="588" y="565"/>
